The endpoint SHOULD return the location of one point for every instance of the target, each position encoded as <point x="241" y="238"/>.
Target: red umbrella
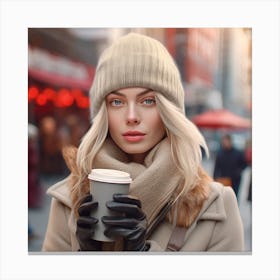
<point x="221" y="119"/>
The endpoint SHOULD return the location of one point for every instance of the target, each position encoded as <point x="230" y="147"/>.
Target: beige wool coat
<point x="217" y="228"/>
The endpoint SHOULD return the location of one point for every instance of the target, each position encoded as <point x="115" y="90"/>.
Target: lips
<point x="134" y="136"/>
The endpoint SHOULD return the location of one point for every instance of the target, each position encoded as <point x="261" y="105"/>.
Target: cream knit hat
<point x="136" y="60"/>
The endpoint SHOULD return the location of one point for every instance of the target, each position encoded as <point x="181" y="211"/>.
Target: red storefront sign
<point x="58" y="71"/>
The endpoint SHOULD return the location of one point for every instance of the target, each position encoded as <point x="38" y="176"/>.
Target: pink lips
<point x="134" y="136"/>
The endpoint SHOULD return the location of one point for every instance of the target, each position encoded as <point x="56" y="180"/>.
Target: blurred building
<point x="215" y="66"/>
<point x="197" y="54"/>
<point x="215" y="63"/>
<point x="235" y="77"/>
<point x="61" y="68"/>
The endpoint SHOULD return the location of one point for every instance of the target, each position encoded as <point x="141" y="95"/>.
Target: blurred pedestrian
<point x="32" y="234"/>
<point x="52" y="140"/>
<point x="229" y="164"/>
<point x="34" y="186"/>
<point x="75" y="128"/>
<point x="139" y="126"/>
<point x="248" y="158"/>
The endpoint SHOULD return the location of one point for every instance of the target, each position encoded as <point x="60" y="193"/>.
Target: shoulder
<point x="219" y="191"/>
<point x="61" y="192"/>
<point x="61" y="224"/>
<point x="221" y="200"/>
<point x="213" y="207"/>
<point x="223" y="209"/>
<point x="229" y="197"/>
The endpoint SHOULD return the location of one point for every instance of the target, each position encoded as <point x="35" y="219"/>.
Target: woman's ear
<point x="69" y="154"/>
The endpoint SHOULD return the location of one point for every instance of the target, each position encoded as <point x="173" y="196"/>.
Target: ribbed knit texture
<point x="136" y="61"/>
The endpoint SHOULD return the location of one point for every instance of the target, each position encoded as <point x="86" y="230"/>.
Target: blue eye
<point x="116" y="102"/>
<point x="149" y="101"/>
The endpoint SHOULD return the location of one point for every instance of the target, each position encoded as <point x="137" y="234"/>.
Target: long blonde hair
<point x="89" y="147"/>
<point x="186" y="144"/>
<point x="185" y="138"/>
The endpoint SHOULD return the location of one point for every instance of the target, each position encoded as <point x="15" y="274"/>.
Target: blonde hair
<point x="186" y="141"/>
<point x="89" y="147"/>
<point x="186" y="144"/>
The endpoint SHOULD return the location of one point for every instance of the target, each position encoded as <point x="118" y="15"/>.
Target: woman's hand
<point x="130" y="224"/>
<point x="86" y="225"/>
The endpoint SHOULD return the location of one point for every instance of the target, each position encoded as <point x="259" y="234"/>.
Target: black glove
<point x="131" y="224"/>
<point x="86" y="225"/>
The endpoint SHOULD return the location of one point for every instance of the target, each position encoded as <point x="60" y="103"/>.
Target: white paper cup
<point x="103" y="184"/>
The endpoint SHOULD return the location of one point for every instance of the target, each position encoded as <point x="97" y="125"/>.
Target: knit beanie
<point x="136" y="60"/>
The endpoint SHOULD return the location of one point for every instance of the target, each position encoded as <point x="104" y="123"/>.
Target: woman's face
<point x="134" y="121"/>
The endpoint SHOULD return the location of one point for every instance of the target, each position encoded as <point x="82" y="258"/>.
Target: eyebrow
<point x="138" y="94"/>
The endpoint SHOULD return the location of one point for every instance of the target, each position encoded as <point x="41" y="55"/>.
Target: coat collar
<point x="213" y="208"/>
<point x="61" y="192"/>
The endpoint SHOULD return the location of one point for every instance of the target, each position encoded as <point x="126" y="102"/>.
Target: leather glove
<point x="130" y="224"/>
<point x="86" y="225"/>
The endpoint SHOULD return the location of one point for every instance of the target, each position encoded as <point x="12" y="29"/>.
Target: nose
<point x="132" y="115"/>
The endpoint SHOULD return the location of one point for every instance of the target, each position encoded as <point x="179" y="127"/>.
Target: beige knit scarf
<point x="154" y="181"/>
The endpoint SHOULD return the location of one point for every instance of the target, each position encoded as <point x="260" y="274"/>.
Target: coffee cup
<point x="103" y="184"/>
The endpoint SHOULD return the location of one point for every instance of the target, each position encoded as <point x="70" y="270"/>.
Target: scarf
<point x="154" y="182"/>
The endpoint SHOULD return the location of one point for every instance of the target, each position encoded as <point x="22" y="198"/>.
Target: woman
<point x="139" y="126"/>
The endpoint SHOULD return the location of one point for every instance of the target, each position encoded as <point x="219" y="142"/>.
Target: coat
<point x="217" y="228"/>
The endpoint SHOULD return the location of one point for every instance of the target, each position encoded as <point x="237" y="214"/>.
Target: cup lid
<point x="110" y="176"/>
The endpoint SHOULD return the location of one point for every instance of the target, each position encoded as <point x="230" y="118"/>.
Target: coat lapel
<point x="213" y="208"/>
<point x="61" y="192"/>
<point x="214" y="211"/>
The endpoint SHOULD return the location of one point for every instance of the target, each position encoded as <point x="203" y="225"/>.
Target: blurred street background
<point x="215" y="66"/>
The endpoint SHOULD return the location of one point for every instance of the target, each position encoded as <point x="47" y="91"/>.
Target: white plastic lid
<point x="110" y="176"/>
